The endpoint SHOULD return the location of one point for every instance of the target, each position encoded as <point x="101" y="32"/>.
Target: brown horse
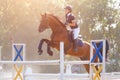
<point x="60" y="33"/>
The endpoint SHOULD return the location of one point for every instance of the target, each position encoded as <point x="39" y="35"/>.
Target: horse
<point x="60" y="33"/>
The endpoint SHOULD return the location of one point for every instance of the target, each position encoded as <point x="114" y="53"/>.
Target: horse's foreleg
<point x="49" y="49"/>
<point x="48" y="46"/>
<point x="40" y="51"/>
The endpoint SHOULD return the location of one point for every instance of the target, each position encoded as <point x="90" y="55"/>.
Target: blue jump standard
<point x="97" y="51"/>
<point x="18" y="51"/>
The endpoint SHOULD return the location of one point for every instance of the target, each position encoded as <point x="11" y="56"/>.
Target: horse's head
<point x="43" y="23"/>
<point x="50" y="21"/>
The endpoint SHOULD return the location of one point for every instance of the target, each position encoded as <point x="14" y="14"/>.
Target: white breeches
<point x="76" y="32"/>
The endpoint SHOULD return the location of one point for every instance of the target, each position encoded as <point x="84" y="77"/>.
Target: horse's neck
<point x="58" y="30"/>
<point x="57" y="26"/>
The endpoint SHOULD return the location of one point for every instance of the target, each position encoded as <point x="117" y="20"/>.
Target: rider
<point x="70" y="21"/>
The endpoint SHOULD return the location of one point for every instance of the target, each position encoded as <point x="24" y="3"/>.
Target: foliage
<point x="101" y="20"/>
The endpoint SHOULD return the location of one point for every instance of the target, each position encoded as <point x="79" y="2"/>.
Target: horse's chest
<point x="56" y="37"/>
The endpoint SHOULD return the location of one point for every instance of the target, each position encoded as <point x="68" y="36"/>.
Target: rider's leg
<point x="75" y="36"/>
<point x="75" y="45"/>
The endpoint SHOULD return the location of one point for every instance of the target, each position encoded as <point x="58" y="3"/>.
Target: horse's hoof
<point x="50" y="53"/>
<point x="40" y="52"/>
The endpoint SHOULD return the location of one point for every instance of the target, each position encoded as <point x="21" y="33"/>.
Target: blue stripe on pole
<point x="18" y="53"/>
<point x="97" y="52"/>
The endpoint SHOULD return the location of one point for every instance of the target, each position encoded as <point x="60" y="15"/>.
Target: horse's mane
<point x="58" y="20"/>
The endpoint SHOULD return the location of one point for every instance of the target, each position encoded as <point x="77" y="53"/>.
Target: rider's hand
<point x="66" y="23"/>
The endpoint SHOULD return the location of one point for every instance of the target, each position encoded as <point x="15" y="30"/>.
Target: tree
<point x="101" y="20"/>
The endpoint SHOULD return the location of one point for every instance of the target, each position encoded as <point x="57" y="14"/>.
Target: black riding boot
<point x="75" y="45"/>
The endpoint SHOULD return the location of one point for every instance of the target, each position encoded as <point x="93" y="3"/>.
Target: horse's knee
<point x="49" y="50"/>
<point x="40" y="51"/>
<point x="50" y="53"/>
<point x="42" y="40"/>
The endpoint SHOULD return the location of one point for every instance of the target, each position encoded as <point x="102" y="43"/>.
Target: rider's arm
<point x="73" y="23"/>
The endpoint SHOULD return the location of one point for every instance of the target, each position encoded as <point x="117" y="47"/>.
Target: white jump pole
<point x="0" y="56"/>
<point x="91" y="55"/>
<point x="0" y="53"/>
<point x="104" y="56"/>
<point x="61" y="61"/>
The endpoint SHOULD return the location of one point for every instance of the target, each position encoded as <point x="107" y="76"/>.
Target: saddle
<point x="79" y="39"/>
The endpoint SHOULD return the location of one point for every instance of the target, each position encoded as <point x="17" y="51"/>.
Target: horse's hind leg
<point x="87" y="67"/>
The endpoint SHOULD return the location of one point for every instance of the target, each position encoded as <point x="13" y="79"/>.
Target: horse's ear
<point x="45" y="14"/>
<point x="41" y="14"/>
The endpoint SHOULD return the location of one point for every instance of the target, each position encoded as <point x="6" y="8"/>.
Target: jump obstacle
<point x="19" y="62"/>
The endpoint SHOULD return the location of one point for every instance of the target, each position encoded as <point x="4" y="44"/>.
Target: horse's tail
<point x="107" y="48"/>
